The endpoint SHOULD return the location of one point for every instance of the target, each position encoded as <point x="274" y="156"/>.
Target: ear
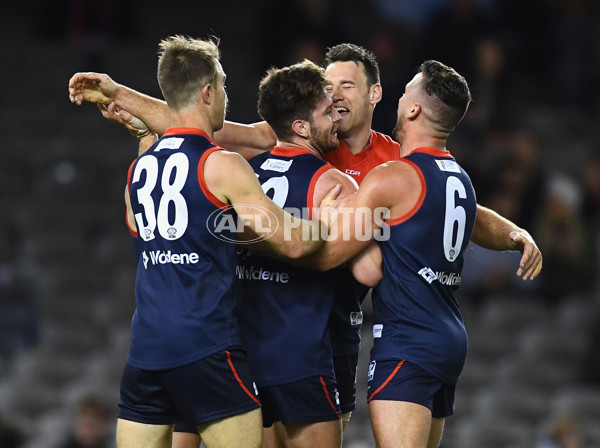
<point x="301" y="127"/>
<point x="414" y="111"/>
<point x="375" y="94"/>
<point x="206" y="93"/>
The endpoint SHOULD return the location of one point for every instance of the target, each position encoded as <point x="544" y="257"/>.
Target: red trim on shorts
<point x="211" y="197"/>
<point x="237" y="377"/>
<point x="310" y="196"/>
<point x="329" y="397"/>
<point x="417" y="206"/>
<point x="388" y="379"/>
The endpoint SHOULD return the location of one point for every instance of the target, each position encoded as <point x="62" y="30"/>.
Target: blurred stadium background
<point x="530" y="142"/>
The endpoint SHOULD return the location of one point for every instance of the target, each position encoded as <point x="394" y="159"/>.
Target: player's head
<point x="294" y="102"/>
<point x="353" y="80"/>
<point x="189" y="70"/>
<point x="438" y="95"/>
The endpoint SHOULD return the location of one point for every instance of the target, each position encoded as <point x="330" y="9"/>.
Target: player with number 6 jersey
<point x="418" y="314"/>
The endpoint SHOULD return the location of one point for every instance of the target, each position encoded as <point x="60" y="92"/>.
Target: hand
<point x="530" y="265"/>
<point x="134" y="125"/>
<point x="92" y="87"/>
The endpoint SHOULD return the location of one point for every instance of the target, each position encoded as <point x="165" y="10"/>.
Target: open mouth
<point x="342" y="111"/>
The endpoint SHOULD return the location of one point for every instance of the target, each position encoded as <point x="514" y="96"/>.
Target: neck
<point x="412" y="142"/>
<point x="188" y="119"/>
<point x="357" y="141"/>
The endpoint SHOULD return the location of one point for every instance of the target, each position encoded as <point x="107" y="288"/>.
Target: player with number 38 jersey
<point x="416" y="317"/>
<point x="176" y="261"/>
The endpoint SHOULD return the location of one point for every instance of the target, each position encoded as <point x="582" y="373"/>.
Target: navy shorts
<point x="310" y="400"/>
<point x="345" y="377"/>
<point x="218" y="386"/>
<point x="185" y="427"/>
<point x="399" y="380"/>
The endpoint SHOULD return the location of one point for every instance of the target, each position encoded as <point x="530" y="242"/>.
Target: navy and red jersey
<point x="416" y="316"/>
<point x="284" y="309"/>
<point x="185" y="290"/>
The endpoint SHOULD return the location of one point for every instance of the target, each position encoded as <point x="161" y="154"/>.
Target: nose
<point x="336" y="93"/>
<point x="335" y="115"/>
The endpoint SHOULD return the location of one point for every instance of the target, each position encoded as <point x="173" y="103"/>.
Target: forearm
<point x="248" y="140"/>
<point x="152" y="111"/>
<point x="492" y="231"/>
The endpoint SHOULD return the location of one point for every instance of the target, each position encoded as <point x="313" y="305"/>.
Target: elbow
<point x="371" y="280"/>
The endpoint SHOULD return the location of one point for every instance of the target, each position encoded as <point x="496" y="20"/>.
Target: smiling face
<point x="348" y="86"/>
<point x="324" y="126"/>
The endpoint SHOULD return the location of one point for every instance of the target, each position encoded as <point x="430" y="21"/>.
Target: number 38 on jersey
<point x="172" y="181"/>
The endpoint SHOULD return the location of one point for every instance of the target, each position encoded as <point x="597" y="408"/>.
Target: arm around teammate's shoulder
<point x="249" y="140"/>
<point x="389" y="191"/>
<point x="231" y="179"/>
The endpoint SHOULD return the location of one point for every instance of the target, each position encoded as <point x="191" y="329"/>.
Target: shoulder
<point x="332" y="176"/>
<point x="391" y="182"/>
<point x="383" y="141"/>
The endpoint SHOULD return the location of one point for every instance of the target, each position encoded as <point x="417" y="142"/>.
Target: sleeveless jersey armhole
<point x="202" y="182"/>
<point x="133" y="231"/>
<point x="420" y="200"/>
<point x="310" y="195"/>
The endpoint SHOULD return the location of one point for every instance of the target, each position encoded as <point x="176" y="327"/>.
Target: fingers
<point x="530" y="265"/>
<point x="333" y="193"/>
<point x="92" y="87"/>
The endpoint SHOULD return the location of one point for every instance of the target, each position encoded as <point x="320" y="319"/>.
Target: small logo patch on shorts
<point x="371" y="370"/>
<point x="377" y="329"/>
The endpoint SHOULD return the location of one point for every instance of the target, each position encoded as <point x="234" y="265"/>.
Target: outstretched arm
<point x="495" y="232"/>
<point x="101" y="89"/>
<point x="247" y="139"/>
<point x="231" y="179"/>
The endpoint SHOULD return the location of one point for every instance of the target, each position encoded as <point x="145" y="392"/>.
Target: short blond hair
<point x="185" y="65"/>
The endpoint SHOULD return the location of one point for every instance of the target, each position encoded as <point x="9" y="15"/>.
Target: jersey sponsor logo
<point x="371" y="373"/>
<point x="169" y="143"/>
<point x="356" y="318"/>
<point x="445" y="278"/>
<point x="281" y="166"/>
<point x="352" y="172"/>
<point x="167" y="257"/>
<point x="245" y="273"/>
<point x="448" y="165"/>
<point x="377" y="330"/>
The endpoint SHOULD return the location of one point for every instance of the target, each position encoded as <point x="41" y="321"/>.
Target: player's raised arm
<point x="248" y="140"/>
<point x="101" y="89"/>
<point x="495" y="232"/>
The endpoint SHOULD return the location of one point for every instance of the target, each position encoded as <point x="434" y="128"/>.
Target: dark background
<point x="529" y="141"/>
